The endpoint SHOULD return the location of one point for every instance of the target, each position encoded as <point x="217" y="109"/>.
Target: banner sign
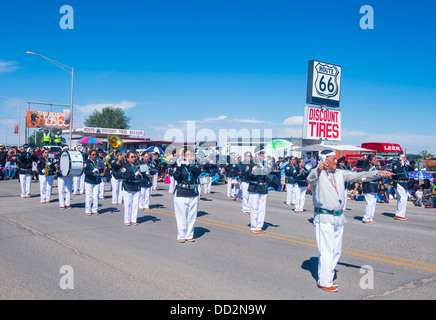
<point x="323" y="84"/>
<point x="321" y="124"/>
<point x="48" y="120"/>
<point x="120" y="132"/>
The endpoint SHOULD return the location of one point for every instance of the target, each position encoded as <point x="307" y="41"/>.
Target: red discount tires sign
<point x="321" y="124"/>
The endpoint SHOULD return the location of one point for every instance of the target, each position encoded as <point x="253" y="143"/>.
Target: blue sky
<point x="225" y="64"/>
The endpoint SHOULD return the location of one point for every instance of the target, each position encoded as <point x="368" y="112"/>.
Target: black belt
<point x="325" y="211"/>
<point x="258" y="183"/>
<point x="186" y="186"/>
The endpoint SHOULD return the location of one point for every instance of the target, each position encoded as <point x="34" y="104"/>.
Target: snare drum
<point x="71" y="163"/>
<point x="204" y="178"/>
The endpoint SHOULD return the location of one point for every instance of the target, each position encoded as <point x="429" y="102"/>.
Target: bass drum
<point x="71" y="163"/>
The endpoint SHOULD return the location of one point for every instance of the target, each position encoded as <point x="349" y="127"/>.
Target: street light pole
<point x="70" y="71"/>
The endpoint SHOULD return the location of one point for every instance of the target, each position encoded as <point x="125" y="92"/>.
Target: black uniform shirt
<point x="187" y="180"/>
<point x="401" y="176"/>
<point x="116" y="166"/>
<point x="91" y="176"/>
<point x="258" y="177"/>
<point x="25" y="162"/>
<point x="370" y="186"/>
<point x="131" y="181"/>
<point x="290" y="172"/>
<point x="42" y="163"/>
<point x="145" y="181"/>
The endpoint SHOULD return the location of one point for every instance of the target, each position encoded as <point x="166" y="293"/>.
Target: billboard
<point x="323" y="84"/>
<point x="48" y="120"/>
<point x="321" y="124"/>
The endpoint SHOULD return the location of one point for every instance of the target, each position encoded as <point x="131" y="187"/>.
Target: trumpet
<point x="47" y="169"/>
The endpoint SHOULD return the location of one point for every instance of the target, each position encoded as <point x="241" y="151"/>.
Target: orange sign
<point x="49" y="120"/>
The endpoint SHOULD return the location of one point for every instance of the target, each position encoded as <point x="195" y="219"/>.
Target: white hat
<point x="326" y="153"/>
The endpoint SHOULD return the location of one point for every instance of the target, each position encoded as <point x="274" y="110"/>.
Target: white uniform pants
<point x="65" y="187"/>
<point x="79" y="184"/>
<point x="257" y="203"/>
<point x="291" y="189"/>
<point x="45" y="187"/>
<point x="345" y="199"/>
<point x="117" y="195"/>
<point x="402" y="197"/>
<point x="172" y="184"/>
<point x="208" y="186"/>
<point x="144" y="198"/>
<point x="245" y="197"/>
<point x="131" y="205"/>
<point x="230" y="188"/>
<point x="371" y="201"/>
<point x="329" y="242"/>
<point x="154" y="182"/>
<point x="91" y="197"/>
<point x="25" y="183"/>
<point x="101" y="188"/>
<point x="300" y="197"/>
<point x="186" y="213"/>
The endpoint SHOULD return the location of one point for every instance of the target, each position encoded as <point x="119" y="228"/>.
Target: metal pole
<point x="71" y="106"/>
<point x="19" y="127"/>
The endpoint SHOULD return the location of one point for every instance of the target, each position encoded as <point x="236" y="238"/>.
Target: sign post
<point x="323" y="89"/>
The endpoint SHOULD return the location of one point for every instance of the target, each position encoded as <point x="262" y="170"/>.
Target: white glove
<point x="95" y="170"/>
<point x="137" y="173"/>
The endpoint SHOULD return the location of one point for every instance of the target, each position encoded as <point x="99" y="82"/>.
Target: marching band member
<point x="186" y="196"/>
<point x="154" y="166"/>
<point x="370" y="190"/>
<point x="116" y="162"/>
<point x="328" y="197"/>
<point x="131" y="175"/>
<point x="343" y="166"/>
<point x="258" y="192"/>
<point x="208" y="168"/>
<point x="246" y="168"/>
<point x="171" y="167"/>
<point x="145" y="183"/>
<point x="101" y="164"/>
<point x="65" y="184"/>
<point x="46" y="169"/>
<point x="291" y="184"/>
<point x="300" y="179"/>
<point x="26" y="159"/>
<point x="92" y="182"/>
<point x="79" y="181"/>
<point x="310" y="162"/>
<point x="401" y="180"/>
<point x="231" y="174"/>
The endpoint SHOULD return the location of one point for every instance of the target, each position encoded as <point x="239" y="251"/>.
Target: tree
<point x="108" y="117"/>
<point x="425" y="154"/>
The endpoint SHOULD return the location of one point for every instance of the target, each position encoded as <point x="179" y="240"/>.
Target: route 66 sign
<point x="323" y="84"/>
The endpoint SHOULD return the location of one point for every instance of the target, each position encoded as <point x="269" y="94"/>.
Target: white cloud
<point x="215" y="119"/>
<point x="293" y="121"/>
<point x="249" y="120"/>
<point x="8" y="66"/>
<point x="89" y="108"/>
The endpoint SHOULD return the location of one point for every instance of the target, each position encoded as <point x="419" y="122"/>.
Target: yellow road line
<point x="312" y="243"/>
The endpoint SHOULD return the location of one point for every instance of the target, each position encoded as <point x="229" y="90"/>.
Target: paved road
<point x="108" y="260"/>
